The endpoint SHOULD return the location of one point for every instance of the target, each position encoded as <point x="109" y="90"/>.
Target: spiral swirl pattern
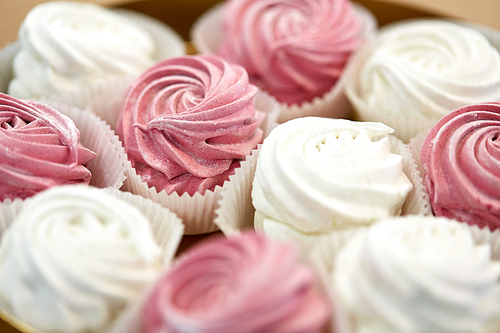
<point x="186" y="120"/>
<point x="74" y="257"/>
<point x="425" y="69"/>
<point x="242" y="284"/>
<point x="461" y="159"/>
<point x="318" y="175"/>
<point x="417" y="274"/>
<point x="39" y="148"/>
<point x="68" y="45"/>
<point x="295" y="50"/>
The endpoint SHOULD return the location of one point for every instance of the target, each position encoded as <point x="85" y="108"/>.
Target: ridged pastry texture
<point x="461" y="160"/>
<point x="69" y="45"/>
<point x="318" y="175"/>
<point x="246" y="283"/>
<point x="39" y="148"/>
<point x="416" y="274"/>
<point x="427" y="68"/>
<point x="295" y="50"/>
<point x="74" y="257"/>
<point x="187" y="122"/>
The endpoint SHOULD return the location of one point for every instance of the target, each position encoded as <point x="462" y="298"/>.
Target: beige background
<point x="180" y="13"/>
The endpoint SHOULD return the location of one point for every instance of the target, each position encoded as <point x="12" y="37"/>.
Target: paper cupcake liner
<point x="236" y="212"/>
<point x="322" y="258"/>
<point x="207" y="34"/>
<point x="415" y="146"/>
<point x="106" y="99"/>
<point x="109" y="166"/>
<point x="405" y="127"/>
<point x="166" y="226"/>
<point x="417" y="200"/>
<point x="198" y="211"/>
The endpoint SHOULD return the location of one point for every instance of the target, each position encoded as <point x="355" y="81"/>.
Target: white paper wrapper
<point x="236" y="212"/>
<point x="198" y="211"/>
<point x="415" y="146"/>
<point x="417" y="201"/>
<point x="207" y="34"/>
<point x="106" y="99"/>
<point x="167" y="229"/>
<point x="405" y="127"/>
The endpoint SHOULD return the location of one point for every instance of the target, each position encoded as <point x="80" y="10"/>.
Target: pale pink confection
<point x="461" y="160"/>
<point x="295" y="50"/>
<point x="39" y="148"/>
<point x="187" y="122"/>
<point x="245" y="284"/>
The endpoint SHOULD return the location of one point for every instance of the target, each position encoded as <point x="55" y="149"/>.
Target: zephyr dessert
<point x="246" y="283"/>
<point x="74" y="257"/>
<point x="187" y="124"/>
<point x="40" y="148"/>
<point x="416" y="72"/>
<point x="461" y="160"/>
<point x="315" y="176"/>
<point x="416" y="274"/>
<point x="294" y="50"/>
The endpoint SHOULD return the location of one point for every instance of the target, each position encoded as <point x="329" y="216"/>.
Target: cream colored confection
<point x="317" y="175"/>
<point x="416" y="274"/>
<point x="73" y="258"/>
<point x="68" y="45"/>
<point x="418" y="71"/>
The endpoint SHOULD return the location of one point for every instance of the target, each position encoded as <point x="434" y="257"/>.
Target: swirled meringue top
<point x="461" y="160"/>
<point x="67" y="45"/>
<point x="39" y="148"/>
<point x="417" y="274"/>
<point x="246" y="283"/>
<point x="295" y="50"/>
<point x="427" y="68"/>
<point x="188" y="118"/>
<point x="318" y="175"/>
<point x="74" y="257"/>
